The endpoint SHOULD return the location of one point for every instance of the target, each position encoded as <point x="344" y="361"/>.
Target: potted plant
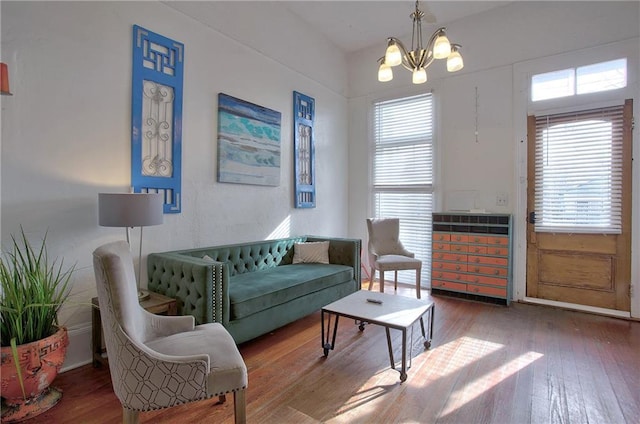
<point x="32" y="291"/>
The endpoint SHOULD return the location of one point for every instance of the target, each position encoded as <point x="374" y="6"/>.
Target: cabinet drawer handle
<point x="497" y="272"/>
<point x="477" y="269"/>
<point x="458" y="258"/>
<point x="458" y="248"/>
<point x="458" y="277"/>
<point x="477" y="260"/>
<point x="457" y="267"/>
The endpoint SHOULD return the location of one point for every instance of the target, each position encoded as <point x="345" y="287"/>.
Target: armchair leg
<point x="129" y="416"/>
<point x="222" y="399"/>
<point x="418" y="282"/>
<point x="395" y="280"/>
<point x="240" y="406"/>
<point x="381" y="281"/>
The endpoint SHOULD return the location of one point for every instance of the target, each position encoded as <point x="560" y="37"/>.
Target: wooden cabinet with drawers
<point x="471" y="256"/>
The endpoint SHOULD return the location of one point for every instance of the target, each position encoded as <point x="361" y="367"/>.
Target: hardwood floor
<point x="487" y="364"/>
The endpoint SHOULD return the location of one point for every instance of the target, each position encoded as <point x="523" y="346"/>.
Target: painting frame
<point x="249" y="142"/>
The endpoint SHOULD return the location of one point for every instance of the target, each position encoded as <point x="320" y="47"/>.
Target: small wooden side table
<point x="156" y="304"/>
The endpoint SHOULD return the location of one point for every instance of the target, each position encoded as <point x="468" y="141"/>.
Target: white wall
<point x="494" y="44"/>
<point x="65" y="132"/>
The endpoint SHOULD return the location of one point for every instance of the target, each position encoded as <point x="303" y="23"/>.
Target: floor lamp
<point x="130" y="210"/>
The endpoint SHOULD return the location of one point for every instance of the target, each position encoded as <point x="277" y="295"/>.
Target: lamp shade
<point x="130" y="209"/>
<point x="442" y="47"/>
<point x="385" y="73"/>
<point x="454" y="61"/>
<point x="419" y="76"/>
<point x="393" y="56"/>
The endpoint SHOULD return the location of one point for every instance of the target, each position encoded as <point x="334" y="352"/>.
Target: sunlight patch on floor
<point x="461" y="353"/>
<point x="488" y="381"/>
<point x="369" y="399"/>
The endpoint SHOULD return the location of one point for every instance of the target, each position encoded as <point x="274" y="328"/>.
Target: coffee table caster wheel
<point x="403" y="377"/>
<point x="361" y="326"/>
<point x="427" y="344"/>
<point x="327" y="346"/>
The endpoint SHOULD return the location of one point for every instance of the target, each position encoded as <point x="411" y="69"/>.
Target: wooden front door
<point x="578" y="267"/>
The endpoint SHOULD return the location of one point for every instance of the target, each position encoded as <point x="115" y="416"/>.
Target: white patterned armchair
<point x="161" y="361"/>
<point x="387" y="253"/>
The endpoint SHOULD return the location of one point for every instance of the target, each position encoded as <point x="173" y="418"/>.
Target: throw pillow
<point x="208" y="258"/>
<point x="311" y="252"/>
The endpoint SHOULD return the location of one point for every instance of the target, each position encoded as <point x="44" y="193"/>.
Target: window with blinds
<point x="403" y="171"/>
<point x="578" y="172"/>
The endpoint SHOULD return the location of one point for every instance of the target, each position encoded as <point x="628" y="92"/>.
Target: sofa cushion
<point x="311" y="253"/>
<point x="259" y="290"/>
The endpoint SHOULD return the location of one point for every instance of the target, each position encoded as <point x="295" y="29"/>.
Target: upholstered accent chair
<point x="386" y="252"/>
<point x="161" y="361"/>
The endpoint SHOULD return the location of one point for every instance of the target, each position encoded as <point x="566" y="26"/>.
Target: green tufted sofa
<point x="253" y="288"/>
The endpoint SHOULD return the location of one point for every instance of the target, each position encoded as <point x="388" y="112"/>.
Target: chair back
<point x="384" y="236"/>
<point x="117" y="290"/>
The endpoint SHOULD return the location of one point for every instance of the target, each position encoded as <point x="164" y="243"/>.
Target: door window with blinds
<point x="578" y="168"/>
<point x="403" y="171"/>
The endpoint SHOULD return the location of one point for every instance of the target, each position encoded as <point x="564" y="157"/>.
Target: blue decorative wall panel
<point x="156" y="116"/>
<point x="304" y="152"/>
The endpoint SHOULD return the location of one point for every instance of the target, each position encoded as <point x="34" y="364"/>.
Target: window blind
<point x="403" y="171"/>
<point x="578" y="172"/>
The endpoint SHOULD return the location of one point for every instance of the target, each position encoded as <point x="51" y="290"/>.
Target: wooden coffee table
<point x="393" y="311"/>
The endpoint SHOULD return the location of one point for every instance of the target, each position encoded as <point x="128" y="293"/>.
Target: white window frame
<point x="572" y="82"/>
<point x="421" y="244"/>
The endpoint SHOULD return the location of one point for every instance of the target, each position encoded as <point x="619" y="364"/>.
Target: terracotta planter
<point x="40" y="362"/>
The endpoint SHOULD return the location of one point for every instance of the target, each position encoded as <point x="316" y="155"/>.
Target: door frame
<point x="522" y="107"/>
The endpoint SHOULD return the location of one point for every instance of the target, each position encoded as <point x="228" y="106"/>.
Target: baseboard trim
<point x="576" y="307"/>
<point x="79" y="349"/>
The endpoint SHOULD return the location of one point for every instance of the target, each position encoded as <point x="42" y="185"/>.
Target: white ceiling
<point x="353" y="25"/>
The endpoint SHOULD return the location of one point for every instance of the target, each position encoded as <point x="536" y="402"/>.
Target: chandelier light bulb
<point x="454" y="61"/>
<point x="385" y="73"/>
<point x="442" y="47"/>
<point x="393" y="56"/>
<point x="419" y="76"/>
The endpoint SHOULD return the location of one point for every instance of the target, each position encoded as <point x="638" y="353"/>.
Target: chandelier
<point x="420" y="57"/>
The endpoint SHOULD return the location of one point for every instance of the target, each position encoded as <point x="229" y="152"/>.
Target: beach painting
<point x="248" y="143"/>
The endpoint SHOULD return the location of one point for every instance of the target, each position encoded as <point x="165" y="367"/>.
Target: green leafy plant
<point x="33" y="289"/>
